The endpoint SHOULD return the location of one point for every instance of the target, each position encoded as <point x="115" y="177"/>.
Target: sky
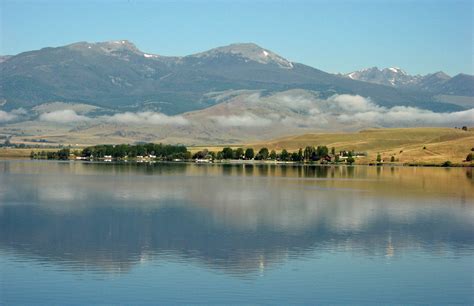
<point x="335" y="36"/>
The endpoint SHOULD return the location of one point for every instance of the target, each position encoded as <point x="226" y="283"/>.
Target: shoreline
<point x="241" y="162"/>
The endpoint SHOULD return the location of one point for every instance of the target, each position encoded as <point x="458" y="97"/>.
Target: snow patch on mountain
<point x="396" y="77"/>
<point x="248" y="51"/>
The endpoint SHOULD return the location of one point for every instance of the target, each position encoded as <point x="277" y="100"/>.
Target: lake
<point x="88" y="233"/>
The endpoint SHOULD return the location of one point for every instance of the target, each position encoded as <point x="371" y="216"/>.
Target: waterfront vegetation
<point x="119" y="152"/>
<point x="409" y="146"/>
<point x="163" y="152"/>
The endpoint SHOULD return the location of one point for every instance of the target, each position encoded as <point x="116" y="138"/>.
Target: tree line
<point x="308" y="154"/>
<point x="157" y="151"/>
<point x="62" y="154"/>
<point x="165" y="152"/>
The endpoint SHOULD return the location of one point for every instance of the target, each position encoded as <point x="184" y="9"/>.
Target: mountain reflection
<point x="240" y="219"/>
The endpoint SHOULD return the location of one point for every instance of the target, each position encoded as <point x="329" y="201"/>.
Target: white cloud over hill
<point x="152" y="118"/>
<point x="250" y="116"/>
<point x="245" y="120"/>
<point x="6" y="116"/>
<point x="63" y="116"/>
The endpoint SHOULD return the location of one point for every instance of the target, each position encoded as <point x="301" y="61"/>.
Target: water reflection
<point x="236" y="218"/>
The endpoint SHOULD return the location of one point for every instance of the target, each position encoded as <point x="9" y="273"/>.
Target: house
<point x="203" y="160"/>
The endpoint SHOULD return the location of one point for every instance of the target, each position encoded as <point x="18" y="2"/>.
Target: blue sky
<point x="335" y="36"/>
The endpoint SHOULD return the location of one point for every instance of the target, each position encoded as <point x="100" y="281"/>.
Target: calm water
<point x="182" y="233"/>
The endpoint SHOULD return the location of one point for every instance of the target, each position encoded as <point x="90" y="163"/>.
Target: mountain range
<point x="112" y="92"/>
<point x="116" y="75"/>
<point x="436" y="83"/>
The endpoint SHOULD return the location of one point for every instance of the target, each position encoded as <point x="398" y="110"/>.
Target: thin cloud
<point x="304" y="110"/>
<point x="63" y="116"/>
<point x="15" y="114"/>
<point x="147" y="118"/>
<point x="6" y="117"/>
<point x="357" y="109"/>
<point x="352" y="103"/>
<point x="247" y="120"/>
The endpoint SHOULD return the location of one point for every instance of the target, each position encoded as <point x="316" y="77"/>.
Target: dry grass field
<point x="20" y="153"/>
<point x="407" y="145"/>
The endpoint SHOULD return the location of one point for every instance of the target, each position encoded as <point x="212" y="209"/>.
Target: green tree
<point x="201" y="154"/>
<point x="63" y="154"/>
<point x="273" y="155"/>
<point x="321" y="151"/>
<point x="300" y="155"/>
<point x="262" y="154"/>
<point x="392" y="159"/>
<point x="308" y="153"/>
<point x="284" y="155"/>
<point x="239" y="153"/>
<point x="333" y="151"/>
<point x="295" y="157"/>
<point x="132" y="152"/>
<point x="350" y="160"/>
<point x="141" y="150"/>
<point x="379" y="158"/>
<point x="227" y="153"/>
<point x="249" y="154"/>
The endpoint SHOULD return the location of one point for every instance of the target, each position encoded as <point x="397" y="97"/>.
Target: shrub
<point x="469" y="157"/>
<point x="379" y="158"/>
<point x="350" y="160"/>
<point x="447" y="164"/>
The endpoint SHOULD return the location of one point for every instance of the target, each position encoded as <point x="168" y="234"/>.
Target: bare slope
<point x="407" y="145"/>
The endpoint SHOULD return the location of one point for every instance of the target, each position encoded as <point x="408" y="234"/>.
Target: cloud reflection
<point x="236" y="218"/>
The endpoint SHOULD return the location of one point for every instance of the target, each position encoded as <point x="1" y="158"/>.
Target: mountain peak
<point x="249" y="51"/>
<point x="439" y="75"/>
<point x="391" y="76"/>
<point x="395" y="70"/>
<point x="107" y="46"/>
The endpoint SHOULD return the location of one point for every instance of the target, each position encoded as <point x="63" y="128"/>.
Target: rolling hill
<point x="407" y="145"/>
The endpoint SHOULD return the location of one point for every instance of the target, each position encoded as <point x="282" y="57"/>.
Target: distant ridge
<point x="438" y="82"/>
<point x="118" y="76"/>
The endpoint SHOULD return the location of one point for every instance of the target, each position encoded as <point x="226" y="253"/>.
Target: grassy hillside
<point x="6" y="153"/>
<point x="408" y="145"/>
